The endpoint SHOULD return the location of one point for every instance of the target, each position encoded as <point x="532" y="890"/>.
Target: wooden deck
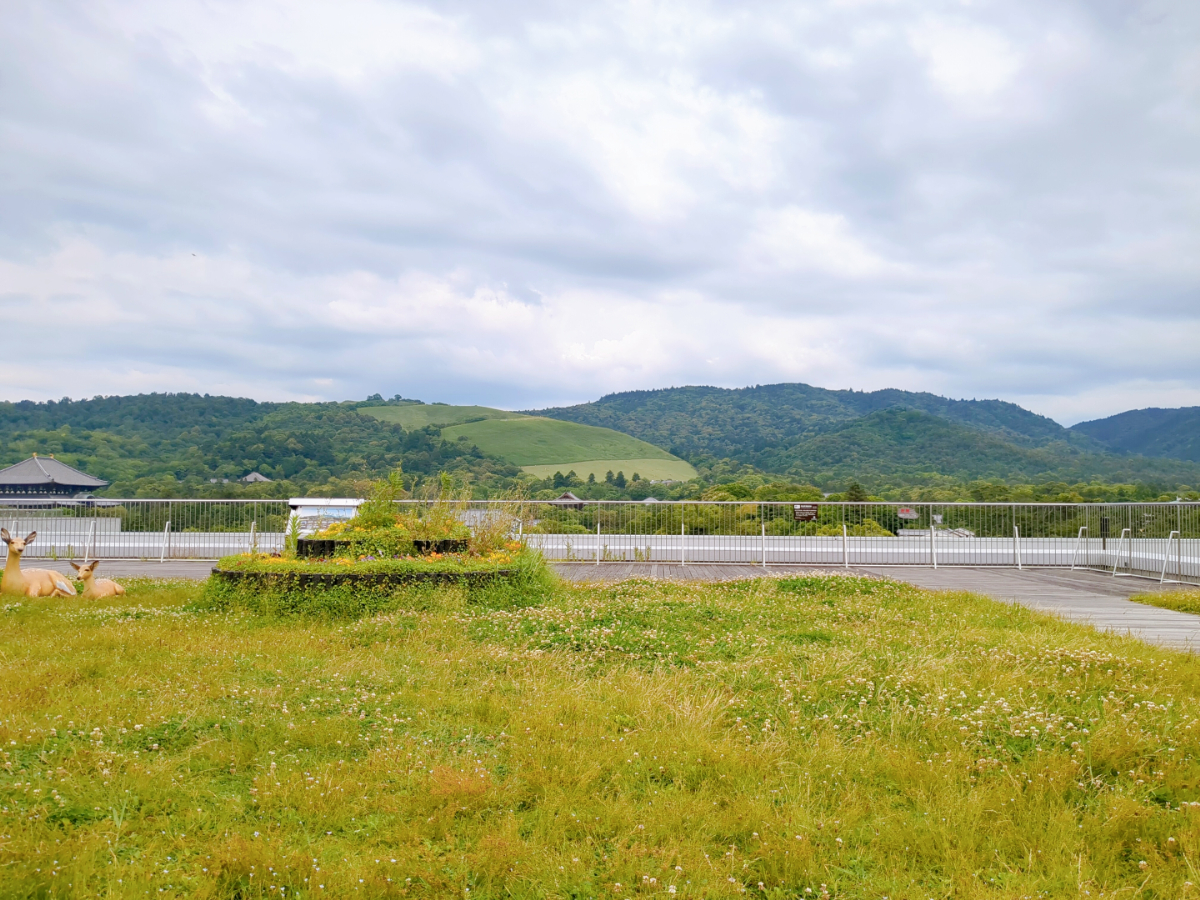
<point x="1090" y="598"/>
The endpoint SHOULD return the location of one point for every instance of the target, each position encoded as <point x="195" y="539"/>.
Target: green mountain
<point x="907" y="446"/>
<point x="1172" y="433"/>
<point x="754" y="424"/>
<point x="175" y="444"/>
<point x="831" y="436"/>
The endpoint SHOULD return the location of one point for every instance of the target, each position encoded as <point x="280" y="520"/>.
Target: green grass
<point x="533" y="441"/>
<point x="819" y="737"/>
<point x="651" y="469"/>
<point x="421" y="415"/>
<point x="1182" y="600"/>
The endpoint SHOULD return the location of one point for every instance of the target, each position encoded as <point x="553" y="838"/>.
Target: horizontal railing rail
<point x="1160" y="540"/>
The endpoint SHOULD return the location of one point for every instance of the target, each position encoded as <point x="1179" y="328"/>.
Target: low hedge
<point x="339" y="589"/>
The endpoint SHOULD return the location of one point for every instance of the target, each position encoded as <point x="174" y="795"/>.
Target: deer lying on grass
<point x="30" y="582"/>
<point x="94" y="588"/>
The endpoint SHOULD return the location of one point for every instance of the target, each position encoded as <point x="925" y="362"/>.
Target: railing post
<point x="1126" y="533"/>
<point x="1017" y="545"/>
<point x="764" y="543"/>
<point x="932" y="540"/>
<point x="597" y="535"/>
<point x="166" y="541"/>
<point x="845" y="549"/>
<point x="1167" y="556"/>
<point x="682" y="542"/>
<point x="1078" y="543"/>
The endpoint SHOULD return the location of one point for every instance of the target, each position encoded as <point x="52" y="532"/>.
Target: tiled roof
<point x="46" y="470"/>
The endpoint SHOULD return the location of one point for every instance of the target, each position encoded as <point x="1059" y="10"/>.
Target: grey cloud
<point x="539" y="203"/>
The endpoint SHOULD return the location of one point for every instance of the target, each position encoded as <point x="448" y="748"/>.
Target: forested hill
<point x="1173" y="433"/>
<point x="879" y="437"/>
<point x="174" y="444"/>
<point x="909" y="447"/>
<point x="754" y="424"/>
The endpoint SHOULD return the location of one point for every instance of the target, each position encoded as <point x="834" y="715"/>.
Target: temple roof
<point x="46" y="470"/>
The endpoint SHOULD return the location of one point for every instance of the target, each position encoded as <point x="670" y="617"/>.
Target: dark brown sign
<point x="805" y="512"/>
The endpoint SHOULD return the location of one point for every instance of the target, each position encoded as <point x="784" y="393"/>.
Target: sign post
<point x="805" y="512"/>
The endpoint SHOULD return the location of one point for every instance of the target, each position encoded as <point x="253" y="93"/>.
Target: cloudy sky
<point x="534" y="203"/>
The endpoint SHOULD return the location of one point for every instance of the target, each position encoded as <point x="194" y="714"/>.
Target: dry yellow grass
<point x="824" y="737"/>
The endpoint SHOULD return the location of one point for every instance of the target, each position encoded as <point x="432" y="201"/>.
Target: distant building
<point x="45" y="478"/>
<point x="569" y="500"/>
<point x="254" y="478"/>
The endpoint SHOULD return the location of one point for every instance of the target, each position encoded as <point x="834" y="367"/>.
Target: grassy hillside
<point x="422" y="415"/>
<point x="823" y="737"/>
<point x="536" y="441"/>
<point x="1173" y="433"/>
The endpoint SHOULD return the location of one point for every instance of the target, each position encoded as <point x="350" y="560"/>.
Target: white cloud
<point x="534" y="203"/>
<point x="794" y="239"/>
<point x="966" y="61"/>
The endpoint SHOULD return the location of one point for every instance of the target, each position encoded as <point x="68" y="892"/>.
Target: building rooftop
<point x="46" y="471"/>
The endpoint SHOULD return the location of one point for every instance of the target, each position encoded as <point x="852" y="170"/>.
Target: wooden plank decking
<point x="1088" y="597"/>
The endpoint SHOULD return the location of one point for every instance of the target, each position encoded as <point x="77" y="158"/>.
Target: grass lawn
<point x="420" y="415"/>
<point x="1183" y="600"/>
<point x="534" y="441"/>
<point x="819" y="737"/>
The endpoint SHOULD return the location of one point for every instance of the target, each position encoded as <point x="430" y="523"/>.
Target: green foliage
<point x="824" y="736"/>
<point x="283" y="596"/>
<point x="174" y="445"/>
<point x="379" y="509"/>
<point x="532" y="441"/>
<point x="753" y="424"/>
<point x="272" y="586"/>
<point x="882" y="438"/>
<point x="438" y="415"/>
<point x="1173" y="433"/>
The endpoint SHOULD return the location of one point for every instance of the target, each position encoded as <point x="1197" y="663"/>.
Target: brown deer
<point x="30" y="582"/>
<point x="95" y="588"/>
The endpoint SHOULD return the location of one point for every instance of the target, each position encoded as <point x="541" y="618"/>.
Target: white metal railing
<point x="1160" y="540"/>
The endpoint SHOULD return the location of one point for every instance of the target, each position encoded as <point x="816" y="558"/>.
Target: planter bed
<point x="325" y="548"/>
<point x="470" y="577"/>
<point x="316" y="548"/>
<point x="340" y="588"/>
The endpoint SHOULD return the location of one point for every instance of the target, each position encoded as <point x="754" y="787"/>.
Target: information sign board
<point x="805" y="512"/>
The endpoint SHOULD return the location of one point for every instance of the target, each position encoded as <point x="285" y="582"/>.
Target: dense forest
<point x="777" y="442"/>
<point x="173" y="445"/>
<point x="1171" y="433"/>
<point x="884" y="439"/>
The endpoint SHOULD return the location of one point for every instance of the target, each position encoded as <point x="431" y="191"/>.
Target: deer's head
<point x="87" y="570"/>
<point x="17" y="545"/>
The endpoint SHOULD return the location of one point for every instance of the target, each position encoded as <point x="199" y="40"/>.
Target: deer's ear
<point x="29" y="537"/>
<point x="75" y="566"/>
<point x="4" y="535"/>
